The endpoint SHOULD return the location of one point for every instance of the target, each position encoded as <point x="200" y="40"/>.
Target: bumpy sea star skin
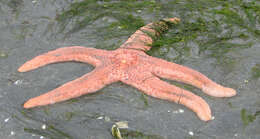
<point x="130" y="65"/>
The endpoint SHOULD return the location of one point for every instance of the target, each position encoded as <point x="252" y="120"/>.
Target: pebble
<point x="44" y="126"/>
<point x="100" y="118"/>
<point x="34" y="1"/>
<point x="139" y="11"/>
<point x="12" y="133"/>
<point x="175" y="112"/>
<point x="181" y="111"/>
<point x="107" y="119"/>
<point x="18" y="82"/>
<point x="2" y="54"/>
<point x="191" y="133"/>
<point x="7" y="119"/>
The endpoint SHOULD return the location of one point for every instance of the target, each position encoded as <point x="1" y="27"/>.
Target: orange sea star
<point x="130" y="65"/>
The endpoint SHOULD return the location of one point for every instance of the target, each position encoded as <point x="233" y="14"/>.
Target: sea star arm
<point x="142" y="39"/>
<point x="86" y="84"/>
<point x="159" y="89"/>
<point x="74" y="53"/>
<point x="184" y="74"/>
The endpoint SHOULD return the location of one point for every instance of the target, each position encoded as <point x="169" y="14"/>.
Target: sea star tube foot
<point x="130" y="65"/>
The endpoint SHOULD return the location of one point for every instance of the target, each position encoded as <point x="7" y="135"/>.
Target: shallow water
<point x="218" y="38"/>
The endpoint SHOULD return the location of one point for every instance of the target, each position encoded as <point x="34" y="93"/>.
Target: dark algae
<point x="248" y="118"/>
<point x="50" y="132"/>
<point x="131" y="134"/>
<point x="256" y="71"/>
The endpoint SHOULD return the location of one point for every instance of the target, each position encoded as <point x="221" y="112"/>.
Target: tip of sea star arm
<point x="37" y="101"/>
<point x="31" y="103"/>
<point x="25" y="67"/>
<point x="41" y="100"/>
<point x="47" y="99"/>
<point x="35" y="63"/>
<point x="198" y="105"/>
<point x="217" y="90"/>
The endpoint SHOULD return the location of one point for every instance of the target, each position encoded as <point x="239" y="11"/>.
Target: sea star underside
<point x="130" y="65"/>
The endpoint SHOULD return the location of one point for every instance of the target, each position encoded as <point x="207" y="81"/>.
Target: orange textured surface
<point x="130" y="65"/>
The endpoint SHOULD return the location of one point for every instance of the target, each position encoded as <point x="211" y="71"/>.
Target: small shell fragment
<point x="115" y="130"/>
<point x="122" y="124"/>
